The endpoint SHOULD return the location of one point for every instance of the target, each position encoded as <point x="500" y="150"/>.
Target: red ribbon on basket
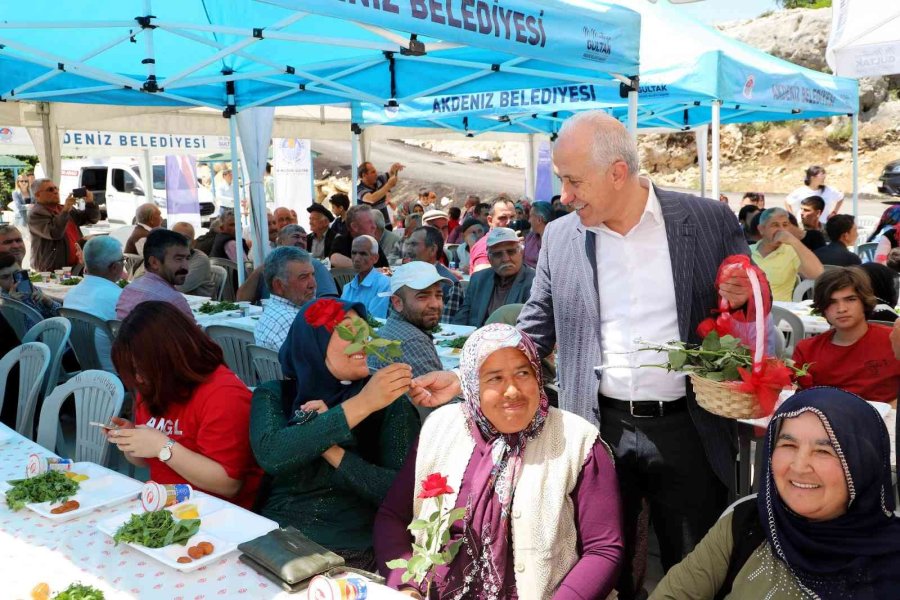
<point x="766" y="383"/>
<point x="769" y="375"/>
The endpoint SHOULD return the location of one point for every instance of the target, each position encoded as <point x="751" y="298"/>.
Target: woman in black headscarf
<point x="823" y="525"/>
<point x="331" y="437"/>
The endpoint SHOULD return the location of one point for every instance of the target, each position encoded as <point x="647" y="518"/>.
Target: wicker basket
<point x="724" y="399"/>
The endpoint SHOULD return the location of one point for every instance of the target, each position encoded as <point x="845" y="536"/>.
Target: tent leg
<point x="530" y="174"/>
<point x="354" y="151"/>
<point x="148" y="179"/>
<point x="633" y="113"/>
<point x="716" y="112"/>
<point x="236" y="193"/>
<point x="855" y="155"/>
<point x="701" y="137"/>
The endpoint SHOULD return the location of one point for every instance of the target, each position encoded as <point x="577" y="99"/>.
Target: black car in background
<point x="890" y="179"/>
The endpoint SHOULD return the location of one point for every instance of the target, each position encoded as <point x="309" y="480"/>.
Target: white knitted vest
<point x="543" y="518"/>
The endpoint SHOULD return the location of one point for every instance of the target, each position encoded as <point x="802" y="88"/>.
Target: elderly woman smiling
<point x="823" y="525"/>
<point x="538" y="484"/>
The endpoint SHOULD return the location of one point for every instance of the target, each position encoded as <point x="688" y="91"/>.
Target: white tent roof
<point x="865" y="38"/>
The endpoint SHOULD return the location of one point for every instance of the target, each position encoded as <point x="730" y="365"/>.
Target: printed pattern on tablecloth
<point x="33" y="550"/>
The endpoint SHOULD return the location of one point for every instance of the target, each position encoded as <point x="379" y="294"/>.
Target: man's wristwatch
<point x="165" y="453"/>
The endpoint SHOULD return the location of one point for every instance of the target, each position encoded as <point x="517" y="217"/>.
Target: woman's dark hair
<point x="882" y="280"/>
<point x="754" y="197"/>
<point x="340" y="199"/>
<point x="754" y="223"/>
<point x="838" y="225"/>
<point x="839" y="278"/>
<point x="454" y="213"/>
<point x="812" y="172"/>
<point x="169" y="352"/>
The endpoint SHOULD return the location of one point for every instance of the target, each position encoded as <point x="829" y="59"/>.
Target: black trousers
<point x="661" y="460"/>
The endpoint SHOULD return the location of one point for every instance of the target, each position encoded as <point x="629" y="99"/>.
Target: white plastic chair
<point x="266" y="363"/>
<point x="20" y="316"/>
<point x="234" y="343"/>
<point x="33" y="359"/>
<point x="84" y="340"/>
<point x="53" y="332"/>
<point x="219" y="275"/>
<point x="98" y="397"/>
<point x="803" y="288"/>
<point x="798" y="331"/>
<point x="231" y="276"/>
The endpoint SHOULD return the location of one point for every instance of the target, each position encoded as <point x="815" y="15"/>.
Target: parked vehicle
<point x="118" y="186"/>
<point x="890" y="179"/>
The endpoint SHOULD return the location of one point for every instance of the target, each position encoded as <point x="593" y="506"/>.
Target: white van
<point x="118" y="186"/>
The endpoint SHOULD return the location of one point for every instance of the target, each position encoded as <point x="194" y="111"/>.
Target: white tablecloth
<point x="34" y="550"/>
<point x="812" y="324"/>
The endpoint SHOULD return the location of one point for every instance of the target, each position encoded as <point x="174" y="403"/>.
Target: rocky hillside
<point x="768" y="157"/>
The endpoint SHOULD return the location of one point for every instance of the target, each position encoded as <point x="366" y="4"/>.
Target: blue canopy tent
<point x="691" y="75"/>
<point x="243" y="54"/>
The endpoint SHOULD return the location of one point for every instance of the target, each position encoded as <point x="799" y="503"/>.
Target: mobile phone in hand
<point x="80" y="192"/>
<point x="23" y="283"/>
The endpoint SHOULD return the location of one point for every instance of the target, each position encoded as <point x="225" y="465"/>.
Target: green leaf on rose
<point x="397" y="563"/>
<point x="345" y="333"/>
<point x="418" y="524"/>
<point x="677" y="359"/>
<point x="711" y="342"/>
<point x="456" y="514"/>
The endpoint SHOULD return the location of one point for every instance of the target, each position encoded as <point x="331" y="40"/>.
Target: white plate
<point x="444" y="351"/>
<point x="222" y="524"/>
<point x="449" y="330"/>
<point x="103" y="487"/>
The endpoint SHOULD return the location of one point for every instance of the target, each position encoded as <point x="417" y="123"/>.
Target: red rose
<point x="706" y="327"/>
<point x="325" y="313"/>
<point x="435" y="485"/>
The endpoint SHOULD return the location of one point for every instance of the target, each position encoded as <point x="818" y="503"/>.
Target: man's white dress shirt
<point x="637" y="302"/>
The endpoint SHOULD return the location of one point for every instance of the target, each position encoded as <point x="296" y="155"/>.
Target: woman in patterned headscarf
<point x="538" y="484"/>
<point x="823" y="525"/>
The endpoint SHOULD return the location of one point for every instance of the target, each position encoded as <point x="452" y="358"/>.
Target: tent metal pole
<point x="702" y="138"/>
<point x="354" y="151"/>
<point x="148" y="180"/>
<point x="235" y="192"/>
<point x="716" y="114"/>
<point x="855" y="155"/>
<point x="633" y="113"/>
<point x="529" y="166"/>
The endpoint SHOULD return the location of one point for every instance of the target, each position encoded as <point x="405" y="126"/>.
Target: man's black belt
<point x="644" y="408"/>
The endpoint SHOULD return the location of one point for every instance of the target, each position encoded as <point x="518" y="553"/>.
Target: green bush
<point x="841" y="134"/>
<point x="804" y="3"/>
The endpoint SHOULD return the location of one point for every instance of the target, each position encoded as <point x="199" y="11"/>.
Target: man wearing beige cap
<point x="508" y="281"/>
<point x="438" y="219"/>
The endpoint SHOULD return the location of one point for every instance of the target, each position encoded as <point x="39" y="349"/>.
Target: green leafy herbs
<point x="372" y="322"/>
<point x="52" y="486"/>
<point x="122" y="283"/>
<point x="36" y="278"/>
<point x="454" y="343"/>
<point x="212" y="308"/>
<point x="717" y="358"/>
<point x="157" y="529"/>
<point x="436" y="329"/>
<point x="77" y="591"/>
<point x="363" y="338"/>
<point x="71" y="281"/>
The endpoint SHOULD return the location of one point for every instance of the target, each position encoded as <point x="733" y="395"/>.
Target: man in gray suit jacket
<point x="632" y="262"/>
<point x="508" y="281"/>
